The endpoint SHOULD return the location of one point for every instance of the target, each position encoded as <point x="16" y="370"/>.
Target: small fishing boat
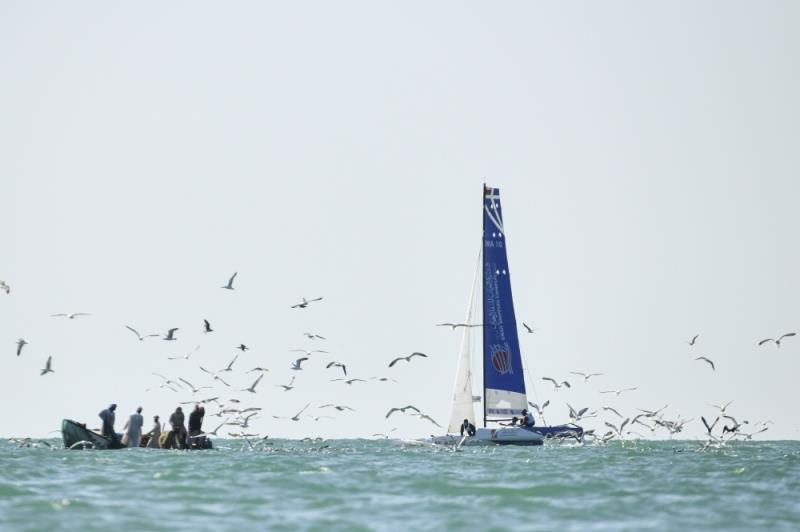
<point x="504" y="396"/>
<point x="77" y="436"/>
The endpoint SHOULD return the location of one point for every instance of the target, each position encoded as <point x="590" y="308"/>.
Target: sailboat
<point x="504" y="396"/>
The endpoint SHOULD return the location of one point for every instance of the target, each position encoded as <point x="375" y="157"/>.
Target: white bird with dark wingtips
<point x="48" y="368"/>
<point x="348" y="381"/>
<point x="722" y="408"/>
<point x="408" y="358"/>
<point x="139" y="336"/>
<point x="170" y="336"/>
<point x="297" y="364"/>
<point x="556" y="383"/>
<point x="286" y="387"/>
<point x="586" y="376"/>
<point x="306" y="302"/>
<point x="340" y="408"/>
<point x="707" y="360"/>
<point x="229" y="367"/>
<point x="252" y="388"/>
<point x="312" y="336"/>
<point x="619" y="392"/>
<point x="402" y="410"/>
<point x="229" y="286"/>
<point x="192" y="387"/>
<point x="186" y="356"/>
<point x="295" y="417"/>
<point x="455" y="326"/>
<point x="539" y="409"/>
<point x="337" y="365"/>
<point x="20" y="344"/>
<point x="307" y="352"/>
<point x="71" y="316"/>
<point x="778" y="341"/>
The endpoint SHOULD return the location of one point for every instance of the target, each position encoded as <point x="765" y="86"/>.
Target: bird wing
<point x="565" y="383"/>
<point x="204" y="369"/>
<point x="300" y="360"/>
<point x="186" y="382"/>
<point x="578" y="373"/>
<point x="220" y="379"/>
<point x="786" y="336"/>
<point x="526" y="326"/>
<point x="622" y="425"/>
<point x="257" y="381"/>
<point x="396" y="360"/>
<point x="134" y="331"/>
<point x="416" y="354"/>
<point x="49" y="362"/>
<point x="232" y="361"/>
<point x="330" y="364"/>
<point x="230" y="281"/>
<point x="765" y="340"/>
<point x="612" y="410"/>
<point x="429" y="418"/>
<point x="57" y="315"/>
<point x="550" y="379"/>
<point x="445" y="324"/>
<point x="582" y="411"/>
<point x="390" y="412"/>
<point x="315" y="299"/>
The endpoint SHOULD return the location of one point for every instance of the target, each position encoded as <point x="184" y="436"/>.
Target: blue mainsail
<point x="503" y="379"/>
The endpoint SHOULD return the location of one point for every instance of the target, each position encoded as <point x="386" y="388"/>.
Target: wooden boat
<point x="77" y="436"/>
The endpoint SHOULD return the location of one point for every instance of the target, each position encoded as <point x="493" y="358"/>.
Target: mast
<point x="483" y="301"/>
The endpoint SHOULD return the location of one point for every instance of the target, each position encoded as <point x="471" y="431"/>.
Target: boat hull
<point x="77" y="436"/>
<point x="514" y="435"/>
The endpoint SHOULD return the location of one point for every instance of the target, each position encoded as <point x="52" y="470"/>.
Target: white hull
<point x="499" y="436"/>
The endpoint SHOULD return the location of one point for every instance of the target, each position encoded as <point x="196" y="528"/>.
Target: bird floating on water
<point x="229" y="286"/>
<point x="407" y="358"/>
<point x="778" y="341"/>
<point x="48" y="367"/>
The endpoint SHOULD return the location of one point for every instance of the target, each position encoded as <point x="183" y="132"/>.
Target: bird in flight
<point x="556" y="383"/>
<point x="539" y="409"/>
<point x="71" y="316"/>
<point x="297" y="364"/>
<point x="621" y="426"/>
<point x="20" y="344"/>
<point x="190" y="385"/>
<point x="709" y="428"/>
<point x="778" y="341"/>
<point x="229" y="286"/>
<point x="48" y="367"/>
<point x="207" y="327"/>
<point x="586" y="376"/>
<point x="139" y="336"/>
<point x="709" y="361"/>
<point x="384" y="436"/>
<point x="186" y="356"/>
<point x="402" y="410"/>
<point x="427" y="417"/>
<point x="693" y="340"/>
<point x="306" y="302"/>
<point x="295" y="417"/>
<point x="618" y="392"/>
<point x="382" y="379"/>
<point x="349" y="381"/>
<point x="338" y="365"/>
<point x="608" y="408"/>
<point x="455" y="326"/>
<point x="242" y="348"/>
<point x="229" y="367"/>
<point x="577" y="415"/>
<point x="286" y="387"/>
<point x="252" y="388"/>
<point x="340" y="408"/>
<point x="4" y="287"/>
<point x="257" y="369"/>
<point x="307" y="352"/>
<point x="408" y="358"/>
<point x="722" y="408"/>
<point x="312" y="336"/>
<point x="171" y="334"/>
<point x="528" y="329"/>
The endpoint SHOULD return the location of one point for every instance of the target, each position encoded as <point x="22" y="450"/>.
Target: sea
<point x="403" y="485"/>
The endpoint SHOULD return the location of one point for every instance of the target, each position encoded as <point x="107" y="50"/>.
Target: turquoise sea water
<point x="393" y="485"/>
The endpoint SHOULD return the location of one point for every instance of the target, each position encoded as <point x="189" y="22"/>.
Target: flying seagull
<point x="618" y="392"/>
<point x="621" y="426"/>
<point x="312" y="336"/>
<point x="139" y="336"/>
<point x="709" y="428"/>
<point x="586" y="376"/>
<point x="539" y="409"/>
<point x="286" y="387"/>
<point x="229" y="286"/>
<point x="693" y="340"/>
<point x="257" y="369"/>
<point x="778" y="341"/>
<point x="186" y="356"/>
<point x="556" y="383"/>
<point x="382" y="379"/>
<point x="455" y="326"/>
<point x="20" y="344"/>
<point x="297" y="364"/>
<point x="408" y="358"/>
<point x="171" y="334"/>
<point x="229" y="367"/>
<point x="710" y="362"/>
<point x="427" y="417"/>
<point x="242" y="347"/>
<point x="528" y="328"/>
<point x="722" y="408"/>
<point x="338" y="365"/>
<point x="612" y="410"/>
<point x="48" y="368"/>
<point x="340" y="408"/>
<point x="306" y="302"/>
<point x="207" y="327"/>
<point x="295" y="417"/>
<point x="307" y="352"/>
<point x="190" y="385"/>
<point x="71" y="316"/>
<point x="4" y="287"/>
<point x="252" y="388"/>
<point x="403" y="410"/>
<point x="349" y="381"/>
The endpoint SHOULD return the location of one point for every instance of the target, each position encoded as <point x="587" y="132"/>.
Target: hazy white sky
<point x="647" y="155"/>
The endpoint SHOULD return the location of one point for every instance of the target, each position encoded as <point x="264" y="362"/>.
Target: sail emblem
<point x="501" y="362"/>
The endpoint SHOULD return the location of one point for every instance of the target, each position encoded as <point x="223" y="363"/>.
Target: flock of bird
<point x="239" y="416"/>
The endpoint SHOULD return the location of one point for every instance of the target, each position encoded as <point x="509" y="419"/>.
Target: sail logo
<point x="501" y="362"/>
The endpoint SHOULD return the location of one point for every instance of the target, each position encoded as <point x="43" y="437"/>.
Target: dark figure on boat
<point x="527" y="419"/>
<point x="176" y="421"/>
<point x="467" y="427"/>
<point x="195" y="426"/>
<point x="108" y="417"/>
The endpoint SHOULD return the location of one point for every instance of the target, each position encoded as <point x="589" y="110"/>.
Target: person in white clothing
<point x="133" y="429"/>
<point x="154" y="434"/>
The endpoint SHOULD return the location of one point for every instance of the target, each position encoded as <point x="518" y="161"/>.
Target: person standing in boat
<point x="176" y="421"/>
<point x="154" y="434"/>
<point x="195" y="425"/>
<point x="467" y="427"/>
<point x="108" y="417"/>
<point x="133" y="429"/>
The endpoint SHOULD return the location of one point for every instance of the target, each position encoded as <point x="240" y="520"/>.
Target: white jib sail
<point x="463" y="405"/>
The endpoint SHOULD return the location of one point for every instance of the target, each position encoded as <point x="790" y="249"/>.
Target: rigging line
<point x="533" y="385"/>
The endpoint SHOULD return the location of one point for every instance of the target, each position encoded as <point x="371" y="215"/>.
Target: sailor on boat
<point x="467" y="427"/>
<point x="527" y="419"/>
<point x="195" y="425"/>
<point x="133" y="429"/>
<point x="108" y="417"/>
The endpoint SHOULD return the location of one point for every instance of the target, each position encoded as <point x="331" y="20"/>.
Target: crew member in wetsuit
<point x="468" y="427"/>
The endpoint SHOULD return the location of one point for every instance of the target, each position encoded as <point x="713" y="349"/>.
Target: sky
<point x="647" y="156"/>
